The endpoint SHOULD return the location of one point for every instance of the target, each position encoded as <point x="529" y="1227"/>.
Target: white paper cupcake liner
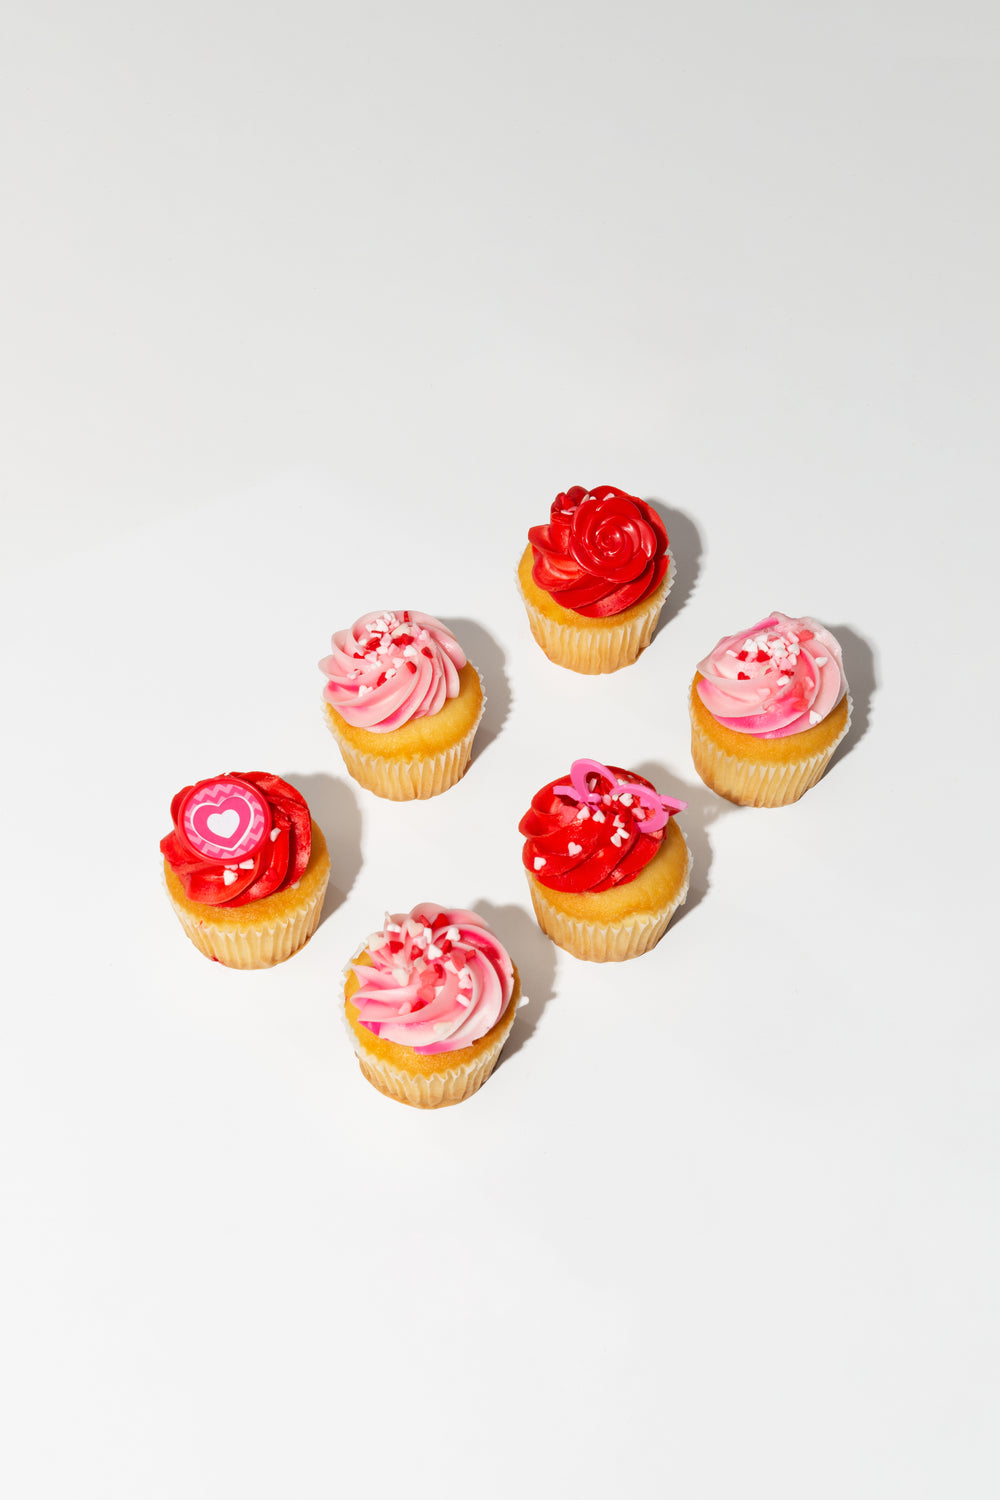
<point x="755" y="784"/>
<point x="605" y="942"/>
<point x="593" y="649"/>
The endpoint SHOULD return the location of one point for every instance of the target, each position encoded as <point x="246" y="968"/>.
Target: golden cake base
<point x="426" y="1081"/>
<point x="590" y="645"/>
<point x="620" y="923"/>
<point x="422" y="758"/>
<point x="756" y="772"/>
<point x="261" y="933"/>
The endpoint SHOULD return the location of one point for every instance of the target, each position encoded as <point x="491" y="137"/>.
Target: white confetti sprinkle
<point x="582" y="814"/>
<point x="539" y="862"/>
<point x="821" y="661"/>
<point x="814" y="717"/>
<point x="433" y="951"/>
<point x="575" y="849"/>
<point x="274" y="834"/>
<point x="229" y="876"/>
<point x="626" y="799"/>
<point x="598" y="816"/>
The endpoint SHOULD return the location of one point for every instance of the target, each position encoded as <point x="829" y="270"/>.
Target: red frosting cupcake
<point x="594" y="579"/>
<point x="606" y="862"/>
<point x="246" y="868"/>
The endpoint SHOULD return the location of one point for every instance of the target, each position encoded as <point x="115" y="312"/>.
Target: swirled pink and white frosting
<point x="391" y="667"/>
<point x="438" y="980"/>
<point x="777" y="678"/>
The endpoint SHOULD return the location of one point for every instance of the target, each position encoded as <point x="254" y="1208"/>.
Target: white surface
<point x="314" y="311"/>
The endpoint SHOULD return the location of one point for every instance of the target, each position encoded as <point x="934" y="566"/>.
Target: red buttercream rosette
<point x="602" y="551"/>
<point x="238" y="837"/>
<point x="599" y="831"/>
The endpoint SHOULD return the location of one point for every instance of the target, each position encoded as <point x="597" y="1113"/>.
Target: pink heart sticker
<point x="225" y="819"/>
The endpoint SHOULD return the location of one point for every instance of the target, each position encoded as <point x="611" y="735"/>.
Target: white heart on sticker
<point x="225" y="823"/>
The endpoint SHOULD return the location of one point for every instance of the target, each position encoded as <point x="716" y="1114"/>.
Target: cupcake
<point x="246" y="868"/>
<point x="768" y="708"/>
<point x="402" y="703"/>
<point x="607" y="864"/>
<point x="595" y="578"/>
<point x="430" y="1000"/>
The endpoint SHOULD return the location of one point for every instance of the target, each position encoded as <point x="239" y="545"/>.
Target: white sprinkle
<point x="730" y="653"/>
<point x="246" y="864"/>
<point x="465" y="1000"/>
<point x="400" y="974"/>
<point x="619" y="822"/>
<point x="539" y="862"/>
<point x="363" y="688"/>
<point x="618" y="838"/>
<point x="626" y="799"/>
<point x="821" y="661"/>
<point x="229" y="876"/>
<point x="782" y="681"/>
<point x="452" y="934"/>
<point x="391" y="927"/>
<point x="574" y="849"/>
<point x="598" y="816"/>
<point x="582" y="814"/>
<point x="433" y="951"/>
<point x="814" y="717"/>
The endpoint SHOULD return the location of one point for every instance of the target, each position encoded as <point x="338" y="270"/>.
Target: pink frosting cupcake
<point x="430" y="1000"/>
<point x="402" y="702"/>
<point x="768" y="708"/>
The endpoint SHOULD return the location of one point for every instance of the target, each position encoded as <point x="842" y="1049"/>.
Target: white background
<point x="312" y="309"/>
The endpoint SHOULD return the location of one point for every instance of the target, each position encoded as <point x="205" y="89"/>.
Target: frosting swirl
<point x="602" y="551"/>
<point x="391" y="667"/>
<point x="437" y="981"/>
<point x="595" y="833"/>
<point x="779" y="677"/>
<point x="237" y="838"/>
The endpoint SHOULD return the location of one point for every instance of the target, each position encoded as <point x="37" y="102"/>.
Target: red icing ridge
<point x="602" y="551"/>
<point x="553" y="824"/>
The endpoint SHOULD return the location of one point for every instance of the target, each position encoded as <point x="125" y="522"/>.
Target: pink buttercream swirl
<point x="391" y="667"/>
<point x="777" y="678"/>
<point x="438" y="980"/>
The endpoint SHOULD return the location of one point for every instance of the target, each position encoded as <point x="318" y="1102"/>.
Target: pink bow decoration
<point x="660" y="807"/>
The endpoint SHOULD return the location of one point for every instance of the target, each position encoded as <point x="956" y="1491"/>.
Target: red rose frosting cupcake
<point x="246" y="868"/>
<point x="430" y="1000"/>
<point x="768" y="708"/>
<point x="402" y="702"/>
<point x="607" y="864"/>
<point x="595" y="578"/>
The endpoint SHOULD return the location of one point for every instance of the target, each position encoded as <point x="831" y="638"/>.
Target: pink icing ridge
<point x="780" y="677"/>
<point x="391" y="666"/>
<point x="438" y="980"/>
